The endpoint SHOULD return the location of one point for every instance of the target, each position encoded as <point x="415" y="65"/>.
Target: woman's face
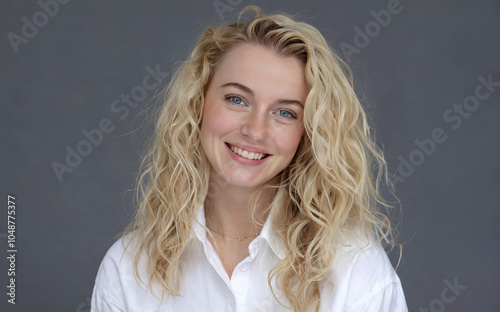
<point x="253" y="115"/>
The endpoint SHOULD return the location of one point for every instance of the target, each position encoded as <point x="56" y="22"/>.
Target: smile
<point x="246" y="154"/>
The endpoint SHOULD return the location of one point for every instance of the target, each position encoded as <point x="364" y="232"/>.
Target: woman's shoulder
<point x="116" y="277"/>
<point x="124" y="246"/>
<point x="362" y="257"/>
<point x="359" y="249"/>
<point x="119" y="258"/>
<point x="363" y="273"/>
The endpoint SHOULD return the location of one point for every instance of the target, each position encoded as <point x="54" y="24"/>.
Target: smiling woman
<point x="260" y="188"/>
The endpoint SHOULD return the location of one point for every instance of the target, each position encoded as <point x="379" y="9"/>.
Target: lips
<point x="252" y="155"/>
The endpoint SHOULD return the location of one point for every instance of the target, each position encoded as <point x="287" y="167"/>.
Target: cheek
<point x="208" y="119"/>
<point x="290" y="141"/>
<point x="216" y="122"/>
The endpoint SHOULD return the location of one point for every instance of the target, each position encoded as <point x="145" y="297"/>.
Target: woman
<point x="260" y="189"/>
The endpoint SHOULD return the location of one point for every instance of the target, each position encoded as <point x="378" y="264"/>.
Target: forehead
<point x="262" y="69"/>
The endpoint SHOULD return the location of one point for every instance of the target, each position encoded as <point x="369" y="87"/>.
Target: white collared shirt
<point x="363" y="281"/>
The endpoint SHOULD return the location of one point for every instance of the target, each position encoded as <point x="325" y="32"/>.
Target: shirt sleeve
<point x="107" y="295"/>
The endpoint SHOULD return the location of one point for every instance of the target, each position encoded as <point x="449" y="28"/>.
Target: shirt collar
<point x="199" y="225"/>
<point x="268" y="233"/>
<point x="272" y="237"/>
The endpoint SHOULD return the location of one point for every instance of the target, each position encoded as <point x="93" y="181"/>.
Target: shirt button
<point x="244" y="268"/>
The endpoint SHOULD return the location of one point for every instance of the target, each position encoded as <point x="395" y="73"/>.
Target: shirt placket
<point x="213" y="259"/>
<point x="240" y="281"/>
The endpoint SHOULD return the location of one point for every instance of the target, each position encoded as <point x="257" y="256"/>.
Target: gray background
<point x="64" y="79"/>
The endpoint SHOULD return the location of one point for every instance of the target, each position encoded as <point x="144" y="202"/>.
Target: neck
<point x="227" y="210"/>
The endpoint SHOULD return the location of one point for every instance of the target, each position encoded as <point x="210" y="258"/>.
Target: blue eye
<point x="286" y="114"/>
<point x="235" y="99"/>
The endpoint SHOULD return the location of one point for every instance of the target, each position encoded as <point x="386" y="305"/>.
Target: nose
<point x="256" y="126"/>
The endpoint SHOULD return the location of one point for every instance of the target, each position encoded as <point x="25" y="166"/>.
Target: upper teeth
<point x="246" y="154"/>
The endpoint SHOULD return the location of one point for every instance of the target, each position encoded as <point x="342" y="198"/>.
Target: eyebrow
<point x="249" y="91"/>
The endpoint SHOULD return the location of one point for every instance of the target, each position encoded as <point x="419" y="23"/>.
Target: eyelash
<point x="230" y="98"/>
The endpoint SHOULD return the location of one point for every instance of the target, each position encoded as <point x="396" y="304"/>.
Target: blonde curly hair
<point x="329" y="192"/>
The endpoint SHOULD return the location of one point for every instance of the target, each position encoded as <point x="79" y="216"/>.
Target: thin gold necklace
<point x="240" y="238"/>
